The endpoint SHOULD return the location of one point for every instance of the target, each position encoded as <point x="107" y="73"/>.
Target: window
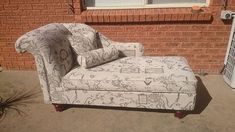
<point x="109" y="4"/>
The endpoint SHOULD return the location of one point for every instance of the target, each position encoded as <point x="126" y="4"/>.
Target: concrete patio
<point x="214" y="111"/>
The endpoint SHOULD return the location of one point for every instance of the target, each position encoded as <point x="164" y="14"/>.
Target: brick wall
<point x="203" y="42"/>
<point x="20" y="16"/>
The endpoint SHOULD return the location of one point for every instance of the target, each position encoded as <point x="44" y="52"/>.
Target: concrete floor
<point x="214" y="112"/>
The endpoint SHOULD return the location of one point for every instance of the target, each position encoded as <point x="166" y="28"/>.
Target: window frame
<point x="151" y="6"/>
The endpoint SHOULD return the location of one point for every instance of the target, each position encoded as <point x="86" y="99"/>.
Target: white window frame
<point x="153" y="6"/>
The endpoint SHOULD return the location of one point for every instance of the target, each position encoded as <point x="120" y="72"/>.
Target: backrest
<point x="78" y="28"/>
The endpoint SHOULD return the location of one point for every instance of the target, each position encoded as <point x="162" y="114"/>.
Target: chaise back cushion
<point x="83" y="38"/>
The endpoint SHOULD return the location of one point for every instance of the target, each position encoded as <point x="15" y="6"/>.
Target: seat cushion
<point x="135" y="74"/>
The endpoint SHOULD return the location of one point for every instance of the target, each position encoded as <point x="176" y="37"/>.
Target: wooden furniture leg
<point x="179" y="114"/>
<point x="59" y="107"/>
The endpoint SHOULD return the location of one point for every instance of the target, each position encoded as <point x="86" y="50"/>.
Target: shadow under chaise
<point x="132" y="80"/>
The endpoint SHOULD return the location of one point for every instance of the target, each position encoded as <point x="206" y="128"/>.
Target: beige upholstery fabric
<point x="97" y="57"/>
<point x="170" y="101"/>
<point x="53" y="56"/>
<point x="135" y="74"/>
<point x="83" y="38"/>
<point x="133" y="81"/>
<point x="142" y="82"/>
<point x="125" y="49"/>
<point x="83" y="44"/>
<point x="52" y="53"/>
<point x="129" y="49"/>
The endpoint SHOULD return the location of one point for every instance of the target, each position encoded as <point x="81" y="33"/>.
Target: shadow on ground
<point x="203" y="98"/>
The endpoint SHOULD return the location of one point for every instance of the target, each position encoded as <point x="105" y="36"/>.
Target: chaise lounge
<point x="78" y="65"/>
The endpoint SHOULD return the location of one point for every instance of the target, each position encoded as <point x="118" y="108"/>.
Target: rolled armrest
<point x="52" y="53"/>
<point x="126" y="49"/>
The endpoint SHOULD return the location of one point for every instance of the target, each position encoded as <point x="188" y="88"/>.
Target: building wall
<point x="202" y="41"/>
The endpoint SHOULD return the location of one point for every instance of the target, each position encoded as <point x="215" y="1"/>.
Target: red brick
<point x="180" y="17"/>
<point x="204" y="45"/>
<point x="25" y="6"/>
<point x="194" y="17"/>
<point x="130" y="17"/>
<point x="161" y="15"/>
<point x="61" y="11"/>
<point x="39" y="6"/>
<point x="207" y="16"/>
<point x="216" y="2"/>
<point x="222" y="33"/>
<point x="201" y="17"/>
<point x="6" y="13"/>
<point x="83" y="16"/>
<point x="89" y="16"/>
<point x="174" y="16"/>
<point x="215" y="39"/>
<point x="56" y="18"/>
<point x="149" y="14"/>
<point x="124" y="15"/>
<point x="166" y="28"/>
<point x="187" y="17"/>
<point x="190" y="34"/>
<point x="4" y="1"/>
<point x="78" y="18"/>
<point x="168" y="14"/>
<point x="47" y="12"/>
<point x="198" y="39"/>
<point x="106" y="16"/>
<point x="155" y="15"/>
<point x="156" y="34"/>
<point x="118" y="16"/>
<point x="94" y="16"/>
<point x="1" y="7"/>
<point x="136" y="15"/>
<point x="11" y="7"/>
<point x="68" y="18"/>
<point x="142" y="15"/>
<point x="112" y="15"/>
<point x="173" y="34"/>
<point x="212" y="51"/>
<point x="173" y="44"/>
<point x="100" y="16"/>
<point x="187" y="44"/>
<point x="56" y="5"/>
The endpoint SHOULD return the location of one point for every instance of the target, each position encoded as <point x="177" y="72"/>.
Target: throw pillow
<point x="97" y="57"/>
<point x="83" y="42"/>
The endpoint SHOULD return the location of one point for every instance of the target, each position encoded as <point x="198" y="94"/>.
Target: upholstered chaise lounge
<point x="131" y="80"/>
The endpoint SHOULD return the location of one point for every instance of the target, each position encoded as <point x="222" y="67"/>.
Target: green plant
<point x="20" y="98"/>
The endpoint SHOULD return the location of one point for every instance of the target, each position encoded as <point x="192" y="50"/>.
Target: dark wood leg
<point x="179" y="114"/>
<point x="59" y="107"/>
